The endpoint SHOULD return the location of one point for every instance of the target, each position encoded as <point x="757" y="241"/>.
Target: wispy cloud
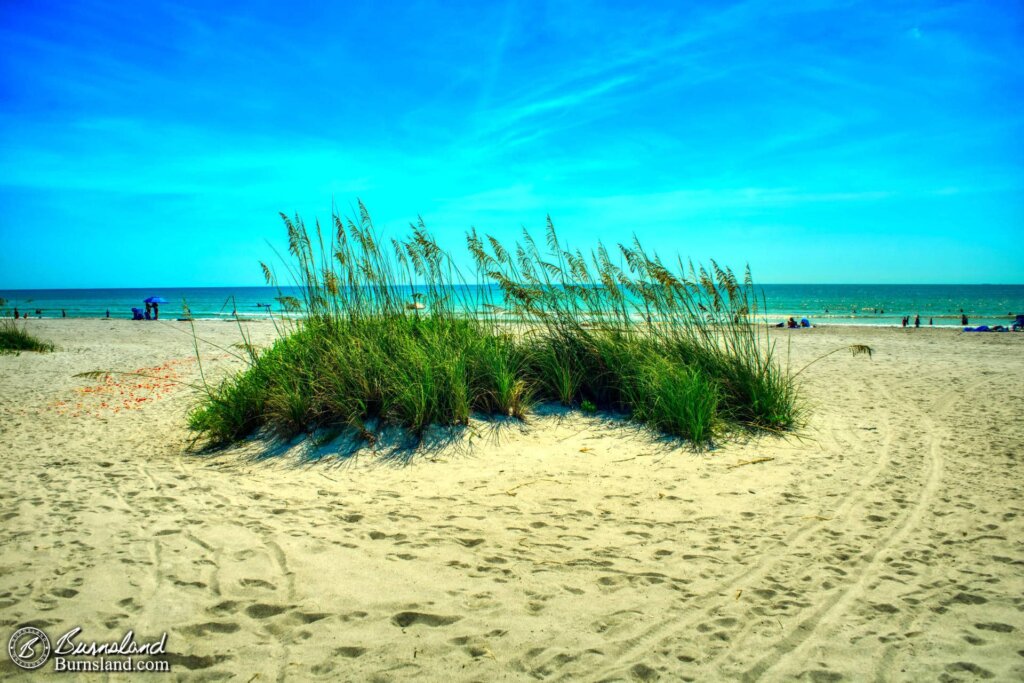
<point x="802" y="120"/>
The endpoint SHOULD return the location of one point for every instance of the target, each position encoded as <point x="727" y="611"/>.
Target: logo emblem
<point x="29" y="648"/>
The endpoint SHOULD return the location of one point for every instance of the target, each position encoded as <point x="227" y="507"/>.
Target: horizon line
<point x="469" y="284"/>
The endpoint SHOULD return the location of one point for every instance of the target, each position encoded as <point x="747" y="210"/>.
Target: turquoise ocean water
<point x="822" y="304"/>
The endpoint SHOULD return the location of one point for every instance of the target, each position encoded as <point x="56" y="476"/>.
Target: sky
<point x="153" y="144"/>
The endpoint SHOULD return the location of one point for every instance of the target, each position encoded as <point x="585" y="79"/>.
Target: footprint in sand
<point x="201" y="630"/>
<point x="262" y="611"/>
<point x="642" y="672"/>
<point x="405" y="619"/>
<point x="994" y="626"/>
<point x="222" y="609"/>
<point x="309" y="617"/>
<point x="971" y="668"/>
<point x="193" y="662"/>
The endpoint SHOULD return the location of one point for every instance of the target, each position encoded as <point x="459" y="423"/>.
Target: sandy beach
<point x="885" y="541"/>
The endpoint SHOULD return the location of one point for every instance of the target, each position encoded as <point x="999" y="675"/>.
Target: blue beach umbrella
<point x="155" y="300"/>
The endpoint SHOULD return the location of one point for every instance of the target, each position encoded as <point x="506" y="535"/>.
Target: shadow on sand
<point x="389" y="446"/>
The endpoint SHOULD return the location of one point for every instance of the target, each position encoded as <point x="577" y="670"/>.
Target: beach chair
<point x="137" y="314"/>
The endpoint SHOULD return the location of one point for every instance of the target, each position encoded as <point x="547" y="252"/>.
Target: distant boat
<point x="415" y="306"/>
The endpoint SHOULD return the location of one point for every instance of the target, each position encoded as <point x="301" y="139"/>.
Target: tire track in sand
<point x="913" y="621"/>
<point x="672" y="628"/>
<point x="794" y="645"/>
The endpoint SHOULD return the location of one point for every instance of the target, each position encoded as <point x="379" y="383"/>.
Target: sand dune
<point x="885" y="543"/>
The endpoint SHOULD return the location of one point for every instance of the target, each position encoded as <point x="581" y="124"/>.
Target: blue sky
<point x="152" y="144"/>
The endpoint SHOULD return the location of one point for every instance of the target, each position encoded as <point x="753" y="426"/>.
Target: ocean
<point x="822" y="304"/>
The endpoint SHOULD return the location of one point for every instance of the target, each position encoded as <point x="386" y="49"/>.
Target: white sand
<point x="887" y="543"/>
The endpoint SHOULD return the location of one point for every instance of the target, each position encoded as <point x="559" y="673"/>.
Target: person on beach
<point x="16" y="313"/>
<point x="917" y="321"/>
<point x="931" y="322"/>
<point x="791" y="323"/>
<point x="156" y="311"/>
<point x="63" y="313"/>
<point x="108" y="312"/>
<point x="149" y="311"/>
<point x="904" y="321"/>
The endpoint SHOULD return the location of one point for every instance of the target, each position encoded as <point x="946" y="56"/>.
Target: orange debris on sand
<point x="129" y="391"/>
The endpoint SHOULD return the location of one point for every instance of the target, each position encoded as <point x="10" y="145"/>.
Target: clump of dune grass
<point x="394" y="334"/>
<point x="15" y="339"/>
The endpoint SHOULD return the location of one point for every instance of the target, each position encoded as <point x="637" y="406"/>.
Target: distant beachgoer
<point x="804" y="322"/>
<point x="931" y="321"/>
<point x="904" y="321"/>
<point x="108" y="312"/>
<point x="791" y="323"/>
<point x="149" y="311"/>
<point x="16" y="314"/>
<point x="63" y="313"/>
<point x="882" y="312"/>
<point x="963" y="317"/>
<point x="156" y="311"/>
<point x="917" y="320"/>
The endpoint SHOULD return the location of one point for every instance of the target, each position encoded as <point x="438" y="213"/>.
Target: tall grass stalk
<point x="15" y="339"/>
<point x="393" y="333"/>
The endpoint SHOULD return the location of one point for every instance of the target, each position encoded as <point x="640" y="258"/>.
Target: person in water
<point x="963" y="318"/>
<point x="904" y="321"/>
